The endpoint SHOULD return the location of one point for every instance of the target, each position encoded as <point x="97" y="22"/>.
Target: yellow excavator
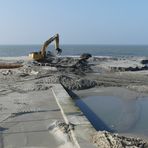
<point x="41" y="55"/>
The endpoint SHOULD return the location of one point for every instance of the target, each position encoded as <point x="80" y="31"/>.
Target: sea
<point x="76" y="50"/>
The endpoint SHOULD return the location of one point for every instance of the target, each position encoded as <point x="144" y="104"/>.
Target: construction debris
<point x="104" y="139"/>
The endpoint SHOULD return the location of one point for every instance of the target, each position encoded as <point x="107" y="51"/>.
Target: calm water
<point x="115" y="114"/>
<point x="103" y="50"/>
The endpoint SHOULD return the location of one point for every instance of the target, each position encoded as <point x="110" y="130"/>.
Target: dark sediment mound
<point x="104" y="139"/>
<point x="118" y="69"/>
<point x="70" y="72"/>
<point x="76" y="84"/>
<point x="144" y="61"/>
<point x="85" y="56"/>
<point x="72" y="82"/>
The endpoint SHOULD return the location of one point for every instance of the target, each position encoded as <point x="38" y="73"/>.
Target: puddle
<point x="115" y="114"/>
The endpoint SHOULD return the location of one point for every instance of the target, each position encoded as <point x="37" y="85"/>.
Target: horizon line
<point x="77" y="44"/>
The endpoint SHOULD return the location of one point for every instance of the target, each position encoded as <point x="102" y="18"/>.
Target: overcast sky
<point x="77" y="21"/>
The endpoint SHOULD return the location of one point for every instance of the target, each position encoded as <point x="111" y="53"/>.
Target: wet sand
<point x="33" y="79"/>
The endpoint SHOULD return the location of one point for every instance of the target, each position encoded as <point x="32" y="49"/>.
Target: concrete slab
<point x="72" y="115"/>
<point x="27" y="113"/>
<point x="25" y="121"/>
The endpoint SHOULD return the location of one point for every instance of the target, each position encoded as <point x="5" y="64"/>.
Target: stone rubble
<point x="104" y="139"/>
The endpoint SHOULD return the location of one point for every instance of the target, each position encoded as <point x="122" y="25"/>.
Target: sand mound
<point x="104" y="139"/>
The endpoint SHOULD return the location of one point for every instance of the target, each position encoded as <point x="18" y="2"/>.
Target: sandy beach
<point x="31" y="116"/>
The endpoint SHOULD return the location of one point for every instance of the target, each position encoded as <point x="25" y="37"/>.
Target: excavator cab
<point x="37" y="56"/>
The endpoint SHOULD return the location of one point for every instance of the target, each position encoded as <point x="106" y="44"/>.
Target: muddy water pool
<point x="116" y="113"/>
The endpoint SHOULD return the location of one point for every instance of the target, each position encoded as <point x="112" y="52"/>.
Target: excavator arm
<point x="46" y="43"/>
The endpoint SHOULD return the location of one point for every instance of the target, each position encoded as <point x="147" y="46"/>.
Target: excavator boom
<point x="46" y="43"/>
